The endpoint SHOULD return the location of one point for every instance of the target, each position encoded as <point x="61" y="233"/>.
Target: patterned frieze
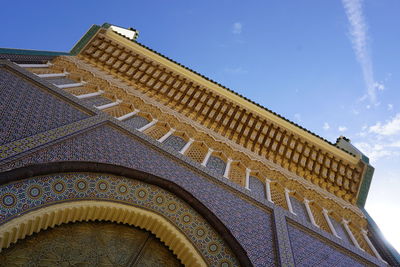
<point x="336" y="172"/>
<point x="82" y="126"/>
<point x="21" y="197"/>
<point x="249" y="224"/>
<point x="143" y="102"/>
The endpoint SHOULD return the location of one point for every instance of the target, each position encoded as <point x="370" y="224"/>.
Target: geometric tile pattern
<point x="175" y="142"/>
<point x="340" y="230"/>
<point x="251" y="226"/>
<point x="23" y="196"/>
<point x="257" y="187"/>
<point x="96" y="101"/>
<point x="38" y="112"/>
<point x="25" y="144"/>
<point x="311" y="251"/>
<point x="282" y="238"/>
<point x="300" y="209"/>
<point x="136" y="122"/>
<point x="216" y="165"/>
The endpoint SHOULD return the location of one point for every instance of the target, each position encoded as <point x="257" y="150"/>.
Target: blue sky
<point x="331" y="66"/>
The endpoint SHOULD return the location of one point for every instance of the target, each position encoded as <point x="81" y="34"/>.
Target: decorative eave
<point x="284" y="142"/>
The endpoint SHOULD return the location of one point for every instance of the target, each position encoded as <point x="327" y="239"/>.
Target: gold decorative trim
<point x="114" y="82"/>
<point x="222" y="91"/>
<point x="35" y="221"/>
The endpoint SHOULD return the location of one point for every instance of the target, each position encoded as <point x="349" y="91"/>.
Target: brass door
<point x="89" y="244"/>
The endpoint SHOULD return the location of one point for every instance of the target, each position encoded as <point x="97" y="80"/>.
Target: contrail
<point x="359" y="38"/>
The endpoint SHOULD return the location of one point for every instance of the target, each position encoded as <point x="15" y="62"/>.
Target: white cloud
<point x="379" y="86"/>
<point x="381" y="140"/>
<point x="391" y="127"/>
<point x="237" y="28"/>
<point x="374" y="152"/>
<point x="395" y="144"/>
<point x="390" y="107"/>
<point x="359" y="38"/>
<point x="326" y="126"/>
<point x="342" y="128"/>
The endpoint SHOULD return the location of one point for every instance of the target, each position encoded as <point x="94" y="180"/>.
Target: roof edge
<point x="280" y="117"/>
<point x="31" y="52"/>
<point x="77" y="48"/>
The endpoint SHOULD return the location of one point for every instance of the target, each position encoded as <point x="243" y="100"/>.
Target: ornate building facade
<point x="115" y="155"/>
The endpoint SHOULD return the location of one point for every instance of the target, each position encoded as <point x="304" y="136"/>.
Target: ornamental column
<point x="309" y="212"/>
<point x="365" y="235"/>
<point x="247" y="182"/>
<point x="109" y="105"/>
<point x="147" y="126"/>
<point x="186" y="146"/>
<point x="165" y="136"/>
<point x="128" y="115"/>
<point x="100" y="92"/>
<point x="289" y="203"/>
<point x="268" y="189"/>
<point x="227" y="168"/>
<point x="207" y="157"/>
<point x="328" y="220"/>
<point x="353" y="239"/>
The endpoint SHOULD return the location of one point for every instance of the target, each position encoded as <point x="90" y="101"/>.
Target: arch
<point x="197" y="151"/>
<point x="237" y="173"/>
<point x="77" y="211"/>
<point x="137" y="121"/>
<point x="175" y="142"/>
<point x="119" y="110"/>
<point x="217" y="163"/>
<point x="130" y="174"/>
<point x="157" y="130"/>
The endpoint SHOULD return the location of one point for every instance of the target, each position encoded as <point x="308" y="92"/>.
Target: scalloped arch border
<point x="96" y="167"/>
<point x="76" y="211"/>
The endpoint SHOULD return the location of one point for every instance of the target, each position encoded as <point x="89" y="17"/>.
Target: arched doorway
<point x="34" y="204"/>
<point x="90" y="244"/>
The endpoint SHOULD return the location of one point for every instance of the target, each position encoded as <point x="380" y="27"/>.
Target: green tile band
<point x="84" y="40"/>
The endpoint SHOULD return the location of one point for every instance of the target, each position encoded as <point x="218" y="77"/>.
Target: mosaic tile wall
<point x="136" y="122"/>
<point x="311" y="251"/>
<point x="299" y="209"/>
<point x="257" y="187"/>
<point x="175" y="142"/>
<point x="216" y="165"/>
<point x="38" y="112"/>
<point x="20" y="197"/>
<point x="97" y="101"/>
<point x="340" y="230"/>
<point x="250" y="225"/>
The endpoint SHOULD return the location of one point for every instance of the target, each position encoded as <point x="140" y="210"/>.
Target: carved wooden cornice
<point x="196" y="130"/>
<point x="226" y="114"/>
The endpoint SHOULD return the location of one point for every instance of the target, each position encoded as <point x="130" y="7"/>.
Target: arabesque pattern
<point x="225" y="117"/>
<point x="21" y="197"/>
